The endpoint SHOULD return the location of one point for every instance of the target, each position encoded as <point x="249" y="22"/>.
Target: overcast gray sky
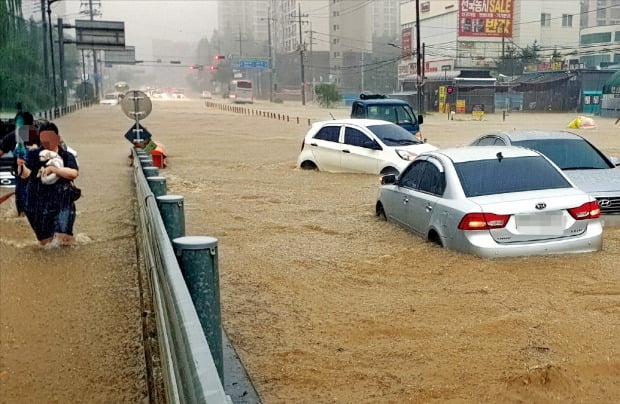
<point x="145" y="20"/>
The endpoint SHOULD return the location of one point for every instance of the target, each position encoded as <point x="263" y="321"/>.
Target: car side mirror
<point x="420" y="119"/>
<point x="614" y="160"/>
<point x="388" y="179"/>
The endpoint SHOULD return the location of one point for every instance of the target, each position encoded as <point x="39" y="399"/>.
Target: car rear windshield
<point x="393" y="135"/>
<point x="504" y="175"/>
<point x="568" y="154"/>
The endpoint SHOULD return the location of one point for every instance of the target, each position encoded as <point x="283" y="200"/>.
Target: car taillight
<point x="589" y="210"/>
<point x="483" y="221"/>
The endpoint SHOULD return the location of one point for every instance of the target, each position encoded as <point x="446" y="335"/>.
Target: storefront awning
<point x="539" y="81"/>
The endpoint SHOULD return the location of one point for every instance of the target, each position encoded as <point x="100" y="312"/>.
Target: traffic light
<point x="219" y="57"/>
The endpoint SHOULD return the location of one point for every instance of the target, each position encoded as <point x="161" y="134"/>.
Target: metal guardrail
<point x="188" y="369"/>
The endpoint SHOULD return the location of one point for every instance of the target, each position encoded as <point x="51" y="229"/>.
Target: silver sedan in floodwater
<point x="582" y="162"/>
<point x="485" y="201"/>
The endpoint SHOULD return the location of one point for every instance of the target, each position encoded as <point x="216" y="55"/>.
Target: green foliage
<point x="513" y="61"/>
<point x="327" y="95"/>
<point x="22" y="69"/>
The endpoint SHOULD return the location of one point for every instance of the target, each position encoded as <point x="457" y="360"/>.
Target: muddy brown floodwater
<point x="322" y="301"/>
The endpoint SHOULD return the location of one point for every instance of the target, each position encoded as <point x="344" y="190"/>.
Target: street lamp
<point x="406" y="54"/>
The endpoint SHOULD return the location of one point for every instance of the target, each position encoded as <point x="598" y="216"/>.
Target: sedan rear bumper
<point x="482" y="244"/>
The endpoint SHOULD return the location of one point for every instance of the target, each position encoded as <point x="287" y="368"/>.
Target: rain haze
<point x="148" y="21"/>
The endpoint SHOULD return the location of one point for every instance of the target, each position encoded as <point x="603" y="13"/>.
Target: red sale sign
<point x="486" y="18"/>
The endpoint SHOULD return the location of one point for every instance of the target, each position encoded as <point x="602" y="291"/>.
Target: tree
<point x="513" y="61"/>
<point x="22" y="68"/>
<point x="327" y="95"/>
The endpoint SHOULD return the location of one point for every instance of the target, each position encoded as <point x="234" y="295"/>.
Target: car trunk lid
<point x="535" y="215"/>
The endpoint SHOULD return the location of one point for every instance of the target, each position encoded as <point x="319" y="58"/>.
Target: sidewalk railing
<point x="188" y="369"/>
<point x="50" y="114"/>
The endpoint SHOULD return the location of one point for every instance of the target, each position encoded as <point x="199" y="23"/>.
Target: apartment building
<point x="242" y="22"/>
<point x="599" y="41"/>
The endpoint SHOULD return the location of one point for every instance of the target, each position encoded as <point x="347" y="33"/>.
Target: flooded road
<point x="323" y="302"/>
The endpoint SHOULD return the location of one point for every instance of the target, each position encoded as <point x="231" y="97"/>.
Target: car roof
<point x="355" y="121"/>
<point x="383" y="101"/>
<point x="518" y="135"/>
<point x="475" y="153"/>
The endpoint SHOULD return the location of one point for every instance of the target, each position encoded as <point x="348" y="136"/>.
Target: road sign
<point x="253" y="64"/>
<point x="138" y="134"/>
<point x="136" y="104"/>
<point x="96" y="34"/>
<point x="449" y="89"/>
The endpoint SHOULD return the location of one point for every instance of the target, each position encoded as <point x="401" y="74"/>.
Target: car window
<point x="394" y="135"/>
<point x="411" y="177"/>
<point x="503" y="175"/>
<point x="330" y="133"/>
<point x="355" y="137"/>
<point x="499" y="142"/>
<point x="486" y="141"/>
<point x="568" y="154"/>
<point x="358" y="111"/>
<point x="433" y="181"/>
<point x="403" y="115"/>
<point x="387" y="113"/>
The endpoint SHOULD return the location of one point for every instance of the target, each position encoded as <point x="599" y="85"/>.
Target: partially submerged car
<point x="359" y="145"/>
<point x="111" y="99"/>
<point x="485" y="201"/>
<point x="582" y="162"/>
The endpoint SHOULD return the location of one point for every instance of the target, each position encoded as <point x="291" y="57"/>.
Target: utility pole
<point x="301" y="57"/>
<point x="503" y="40"/>
<point x="240" y="41"/>
<point x="270" y="57"/>
<point x="312" y="72"/>
<point x="362" y="70"/>
<point x="423" y="76"/>
<point x="49" y="30"/>
<point x="97" y="79"/>
<point x="418" y="56"/>
<point x="45" y="61"/>
<point x="61" y="63"/>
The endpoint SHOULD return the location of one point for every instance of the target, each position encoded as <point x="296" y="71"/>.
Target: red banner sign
<point x="486" y="18"/>
<point x="406" y="40"/>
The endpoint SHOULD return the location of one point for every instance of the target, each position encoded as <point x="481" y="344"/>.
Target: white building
<point x="469" y="34"/>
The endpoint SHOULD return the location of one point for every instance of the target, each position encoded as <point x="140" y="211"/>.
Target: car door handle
<point x="313" y="144"/>
<point x="405" y="200"/>
<point x="346" y="151"/>
<point x="429" y="208"/>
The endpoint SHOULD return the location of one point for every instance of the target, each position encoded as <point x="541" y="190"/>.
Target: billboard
<point x="406" y="41"/>
<point x="486" y="18"/>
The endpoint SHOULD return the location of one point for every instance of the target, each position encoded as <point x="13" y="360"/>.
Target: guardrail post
<point x="157" y="185"/>
<point x="146" y="160"/>
<point x="197" y="257"/>
<point x="150" y="171"/>
<point x="172" y="214"/>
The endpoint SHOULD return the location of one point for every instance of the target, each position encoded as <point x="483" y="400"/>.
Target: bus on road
<point x="241" y="91"/>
